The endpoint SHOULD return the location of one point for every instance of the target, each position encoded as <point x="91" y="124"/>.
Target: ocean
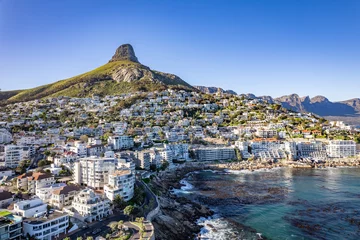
<point x="281" y="203"/>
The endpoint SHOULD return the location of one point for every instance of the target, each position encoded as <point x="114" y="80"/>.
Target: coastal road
<point x="101" y="225"/>
<point x="149" y="197"/>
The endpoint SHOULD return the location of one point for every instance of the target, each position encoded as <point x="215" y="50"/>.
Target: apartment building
<point x="64" y="196"/>
<point x="143" y="159"/>
<point x="314" y="149"/>
<point x="90" y="205"/>
<point x="5" y="136"/>
<point x="341" y="148"/>
<point x="10" y="226"/>
<point x="120" y="142"/>
<point x="94" y="171"/>
<point x="214" y="153"/>
<point x="31" y="181"/>
<point x="13" y="155"/>
<point x="121" y="183"/>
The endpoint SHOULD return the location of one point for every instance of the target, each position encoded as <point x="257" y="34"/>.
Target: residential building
<point x="121" y="183"/>
<point x="6" y="198"/>
<point x="10" y="226"/>
<point x="13" y="156"/>
<point x="315" y="149"/>
<point x="45" y="193"/>
<point x="64" y="196"/>
<point x="5" y="136"/>
<point x="143" y="159"/>
<point x="94" y="171"/>
<point x="39" y="222"/>
<point x="120" y="142"/>
<point x="341" y="148"/>
<point x="30" y="181"/>
<point x="214" y="153"/>
<point x="90" y="206"/>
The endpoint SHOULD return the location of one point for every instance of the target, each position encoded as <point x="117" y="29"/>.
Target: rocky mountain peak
<point x="319" y="99"/>
<point x="124" y="52"/>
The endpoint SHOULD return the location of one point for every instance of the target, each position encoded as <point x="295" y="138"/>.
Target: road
<point x="102" y="225"/>
<point x="148" y="197"/>
<point x="35" y="160"/>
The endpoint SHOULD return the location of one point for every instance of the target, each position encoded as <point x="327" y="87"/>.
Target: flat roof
<point x="45" y="217"/>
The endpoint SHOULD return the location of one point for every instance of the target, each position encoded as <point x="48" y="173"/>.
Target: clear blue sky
<point x="309" y="47"/>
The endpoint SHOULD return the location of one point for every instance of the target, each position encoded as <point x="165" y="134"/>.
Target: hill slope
<point x="122" y="74"/>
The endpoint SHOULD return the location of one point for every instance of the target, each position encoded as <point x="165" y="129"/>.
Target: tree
<point x="120" y="225"/>
<point x="108" y="236"/>
<point x="118" y="201"/>
<point x="79" y="238"/>
<point x="90" y="238"/>
<point x="67" y="238"/>
<point x="129" y="210"/>
<point x="42" y="163"/>
<point x="113" y="226"/>
<point x="84" y="138"/>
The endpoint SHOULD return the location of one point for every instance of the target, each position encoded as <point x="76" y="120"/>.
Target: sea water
<point x="280" y="203"/>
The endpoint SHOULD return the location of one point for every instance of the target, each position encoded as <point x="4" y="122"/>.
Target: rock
<point x="124" y="52"/>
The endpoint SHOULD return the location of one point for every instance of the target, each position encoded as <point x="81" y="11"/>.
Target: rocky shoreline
<point x="178" y="215"/>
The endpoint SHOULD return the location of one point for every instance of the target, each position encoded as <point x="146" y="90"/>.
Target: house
<point x="45" y="193"/>
<point x="6" y="198"/>
<point x="64" y="196"/>
<point x="30" y="181"/>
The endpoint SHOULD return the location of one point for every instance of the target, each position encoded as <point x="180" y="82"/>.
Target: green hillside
<point x="112" y="78"/>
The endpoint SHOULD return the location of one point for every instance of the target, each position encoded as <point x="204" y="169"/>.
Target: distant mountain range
<point x="214" y="90"/>
<point x="319" y="105"/>
<point x="122" y="74"/>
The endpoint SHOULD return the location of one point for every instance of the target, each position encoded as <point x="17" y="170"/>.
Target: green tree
<point x="79" y="238"/>
<point x="119" y="201"/>
<point x="42" y="163"/>
<point x="90" y="238"/>
<point x="129" y="211"/>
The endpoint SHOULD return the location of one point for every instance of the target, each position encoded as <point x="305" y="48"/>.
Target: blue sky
<point x="309" y="47"/>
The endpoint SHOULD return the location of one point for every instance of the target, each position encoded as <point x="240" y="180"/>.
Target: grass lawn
<point x="4" y="213"/>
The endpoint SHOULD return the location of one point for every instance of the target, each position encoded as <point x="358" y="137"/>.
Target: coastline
<point x="179" y="217"/>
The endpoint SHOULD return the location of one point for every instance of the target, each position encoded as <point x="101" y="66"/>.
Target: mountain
<point x="214" y="90"/>
<point x="122" y="74"/>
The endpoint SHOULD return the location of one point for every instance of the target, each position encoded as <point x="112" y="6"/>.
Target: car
<point x="96" y="231"/>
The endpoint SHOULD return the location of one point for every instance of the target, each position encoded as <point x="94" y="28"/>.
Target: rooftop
<point x="46" y="217"/>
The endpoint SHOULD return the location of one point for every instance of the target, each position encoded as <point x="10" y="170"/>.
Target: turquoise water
<point x="279" y="204"/>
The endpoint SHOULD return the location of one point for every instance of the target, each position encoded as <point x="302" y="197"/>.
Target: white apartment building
<point x="341" y="148"/>
<point x="214" y="153"/>
<point x="39" y="222"/>
<point x="31" y="181"/>
<point x="179" y="151"/>
<point x="5" y="136"/>
<point x="90" y="205"/>
<point x="120" y="142"/>
<point x="10" y="226"/>
<point x="121" y="183"/>
<point x="314" y="149"/>
<point x="45" y="193"/>
<point x="13" y="155"/>
<point x="30" y="208"/>
<point x="94" y="171"/>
